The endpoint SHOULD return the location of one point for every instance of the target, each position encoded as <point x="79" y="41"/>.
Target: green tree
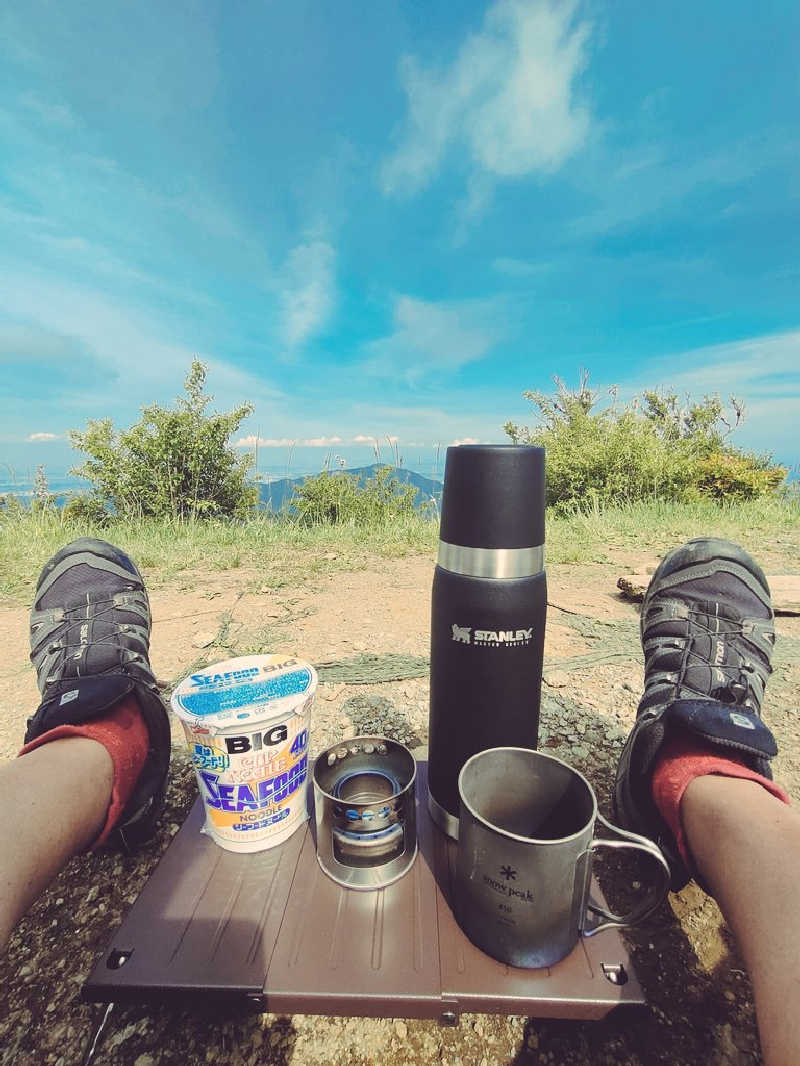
<point x="175" y="462"/>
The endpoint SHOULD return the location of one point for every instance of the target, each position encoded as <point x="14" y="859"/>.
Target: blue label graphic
<point x="214" y="699"/>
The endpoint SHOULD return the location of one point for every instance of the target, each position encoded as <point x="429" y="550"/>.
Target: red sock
<point x="681" y="760"/>
<point x="123" y="733"/>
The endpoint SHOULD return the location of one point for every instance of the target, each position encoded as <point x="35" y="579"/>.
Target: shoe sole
<point x="702" y="551"/>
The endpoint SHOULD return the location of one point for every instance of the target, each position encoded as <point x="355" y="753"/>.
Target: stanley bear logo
<point x="461" y="633"/>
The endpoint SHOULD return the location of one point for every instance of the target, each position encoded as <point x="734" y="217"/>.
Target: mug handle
<point x="632" y="842"/>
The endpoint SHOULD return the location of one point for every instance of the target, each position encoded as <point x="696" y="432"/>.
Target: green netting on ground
<point x="367" y="669"/>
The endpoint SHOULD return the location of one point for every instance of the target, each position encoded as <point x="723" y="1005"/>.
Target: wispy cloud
<point x="50" y="112"/>
<point x="766" y="367"/>
<point x="629" y="182"/>
<point x="764" y="372"/>
<point x="430" y="338"/>
<point x="509" y="98"/>
<point x="309" y="291"/>
<point x="125" y="357"/>
<point x="43" y="436"/>
<point x="465" y="440"/>
<point x="520" y="268"/>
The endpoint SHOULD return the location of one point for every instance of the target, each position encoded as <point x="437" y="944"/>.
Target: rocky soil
<point x="700" y="1007"/>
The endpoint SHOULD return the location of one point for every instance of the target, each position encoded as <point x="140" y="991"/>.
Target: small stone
<point x="145" y="1060"/>
<point x="92" y="894"/>
<point x="203" y="639"/>
<point x="556" y="679"/>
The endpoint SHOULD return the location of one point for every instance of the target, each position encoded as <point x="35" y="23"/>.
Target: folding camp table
<point x="271" y="930"/>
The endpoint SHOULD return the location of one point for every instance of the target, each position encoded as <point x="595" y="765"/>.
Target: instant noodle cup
<point x="247" y="723"/>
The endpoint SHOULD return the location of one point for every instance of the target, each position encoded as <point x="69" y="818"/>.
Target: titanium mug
<point x="525" y="851"/>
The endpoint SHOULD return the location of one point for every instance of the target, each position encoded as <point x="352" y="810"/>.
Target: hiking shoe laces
<point x="708" y="635"/>
<point x="90" y="639"/>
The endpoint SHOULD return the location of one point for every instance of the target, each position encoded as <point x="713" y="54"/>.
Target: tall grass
<point x="284" y="551"/>
<point x="281" y="550"/>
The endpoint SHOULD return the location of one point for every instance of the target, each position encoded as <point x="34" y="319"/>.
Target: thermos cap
<point x="493" y="496"/>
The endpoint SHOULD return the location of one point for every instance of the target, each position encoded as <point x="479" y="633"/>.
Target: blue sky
<point x="388" y="220"/>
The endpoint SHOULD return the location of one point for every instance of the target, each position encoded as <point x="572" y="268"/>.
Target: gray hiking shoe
<point x="90" y="641"/>
<point x="708" y="634"/>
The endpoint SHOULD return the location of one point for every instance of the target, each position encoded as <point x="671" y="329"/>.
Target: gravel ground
<point x="700" y="1006"/>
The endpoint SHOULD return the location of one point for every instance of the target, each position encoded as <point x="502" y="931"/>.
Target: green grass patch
<point x="285" y="552"/>
<point x="768" y="528"/>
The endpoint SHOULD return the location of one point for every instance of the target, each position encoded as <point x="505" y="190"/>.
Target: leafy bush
<point x="87" y="509"/>
<point x="340" y="499"/>
<point x="726" y="475"/>
<point x="658" y="449"/>
<point x="176" y="462"/>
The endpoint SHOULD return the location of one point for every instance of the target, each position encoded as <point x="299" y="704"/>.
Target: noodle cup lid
<point x="251" y="687"/>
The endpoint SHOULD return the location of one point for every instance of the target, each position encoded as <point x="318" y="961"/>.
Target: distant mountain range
<point x="276" y="495"/>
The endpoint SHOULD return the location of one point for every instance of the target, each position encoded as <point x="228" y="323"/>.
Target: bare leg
<point x="59" y="795"/>
<point x="746" y="844"/>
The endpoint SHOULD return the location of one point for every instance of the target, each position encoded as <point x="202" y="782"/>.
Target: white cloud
<point x="308" y="292"/>
<point x="286" y="442"/>
<point x="509" y="98"/>
<point x="466" y="440"/>
<point x="263" y="442"/>
<point x="321" y="442"/>
<point x="430" y="338"/>
<point x="42" y="436"/>
<point x="426" y="425"/>
<point x="362" y="439"/>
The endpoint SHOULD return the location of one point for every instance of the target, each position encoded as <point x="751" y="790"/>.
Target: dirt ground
<point x="700" y="1006"/>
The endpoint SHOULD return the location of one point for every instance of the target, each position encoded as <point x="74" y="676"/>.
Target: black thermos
<point x="487" y="614"/>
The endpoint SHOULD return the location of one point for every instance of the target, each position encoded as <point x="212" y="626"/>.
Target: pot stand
<point x="270" y="929"/>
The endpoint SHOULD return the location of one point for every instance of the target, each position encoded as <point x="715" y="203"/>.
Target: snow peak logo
<point x="505" y="888"/>
<point x="491" y="637"/>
